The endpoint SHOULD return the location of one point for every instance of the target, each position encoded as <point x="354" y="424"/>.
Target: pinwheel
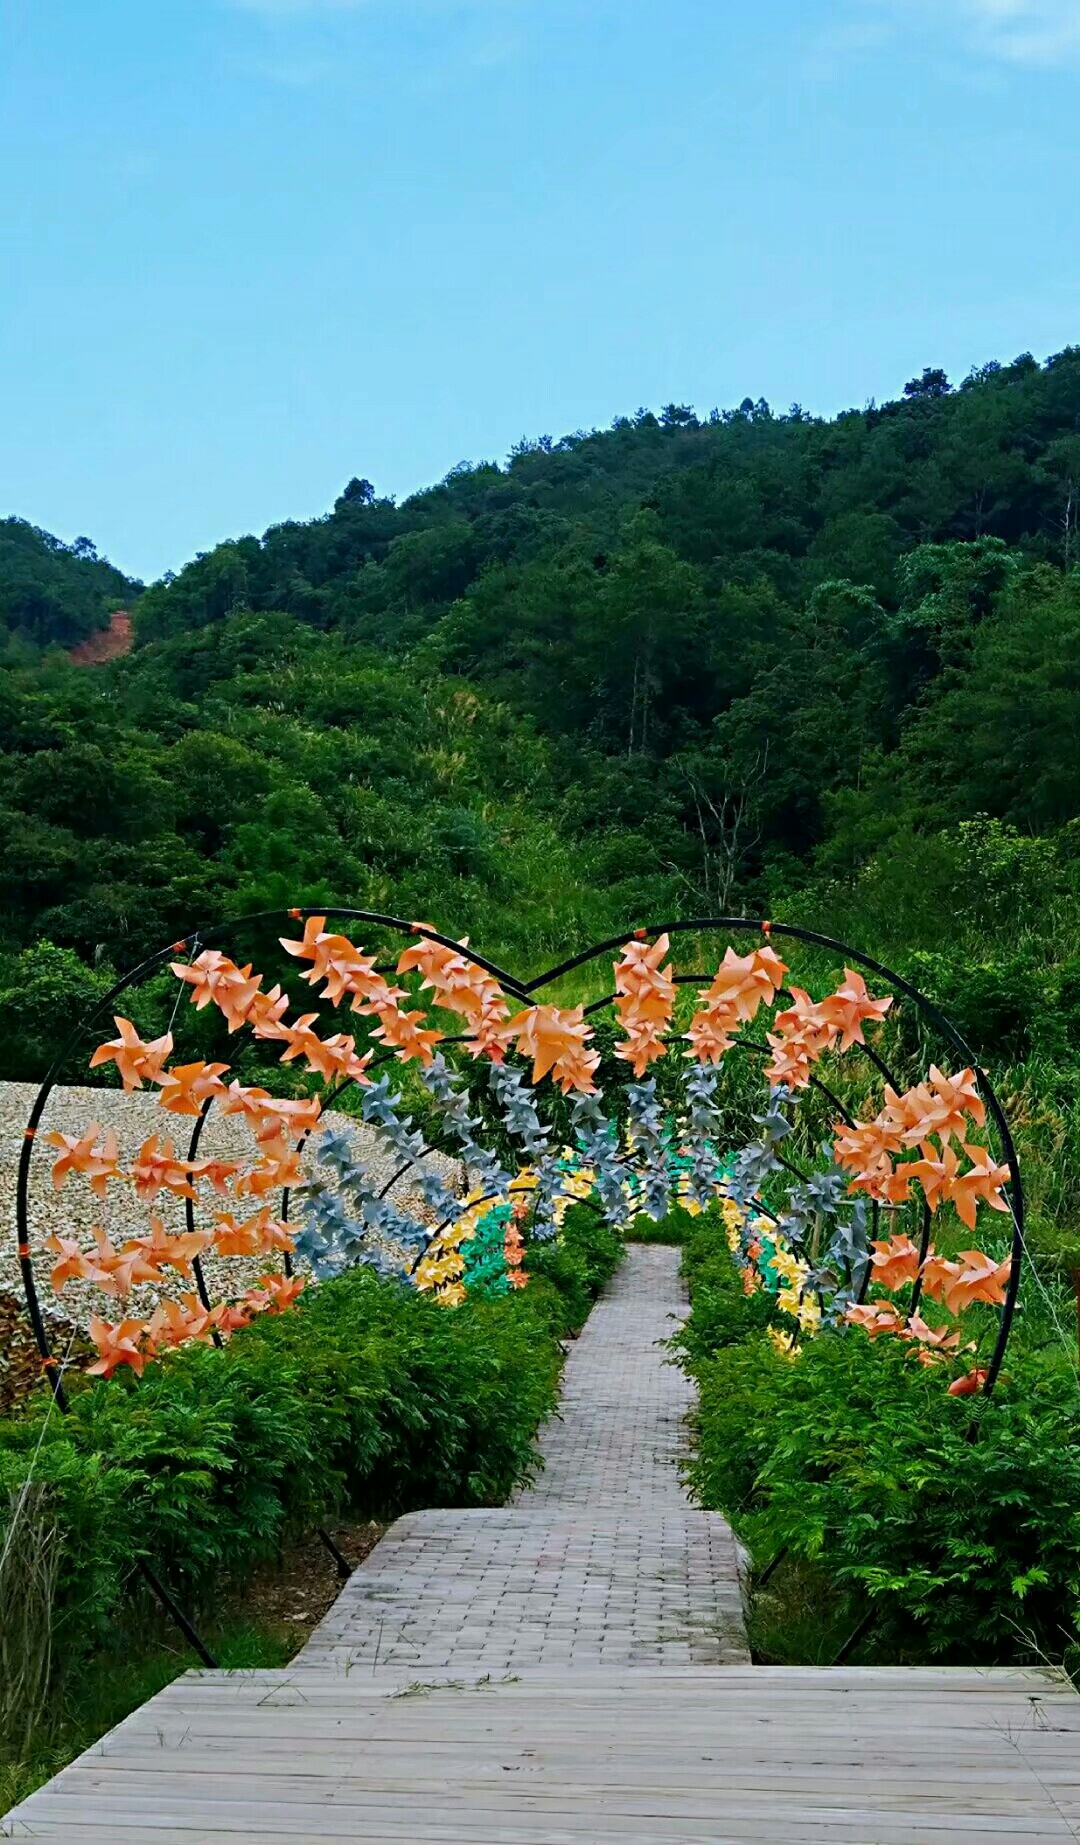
<point x="936" y="1173"/>
<point x="279" y="1168"/>
<point x="982" y="1184"/>
<point x="980" y="1279"/>
<point x="336" y="961"/>
<point x="935" y="1338"/>
<point x="220" y="1173"/>
<point x="341" y="1052"/>
<point x="710" y="1033"/>
<point x="938" y="1273"/>
<point x="967" y="1385"/>
<point x="117" y="1271"/>
<point x="274" y="1293"/>
<point x="266" y="1013"/>
<point x="456" y="982"/>
<point x="117" y="1345"/>
<point x="214" y="978"/>
<point x="74" y="1264"/>
<point x="851" y="1007"/>
<point x="301" y="1041"/>
<point x="645" y="1000"/>
<point x="895" y="1262"/>
<point x="164" y="1250"/>
<point x="82" y="1154"/>
<point x="257" y="1236"/>
<point x="557" y="1041"/>
<point x="946" y="1104"/>
<point x="406" y="1034"/>
<point x="179" y="1322"/>
<point x="134" y="1060"/>
<point x="156" y="1168"/>
<point x="875" y="1318"/>
<point x="514" y="1255"/>
<point x="744" y="982"/>
<point x="187" y="1086"/>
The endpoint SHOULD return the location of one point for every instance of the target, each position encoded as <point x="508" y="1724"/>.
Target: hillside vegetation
<point x="826" y="669"/>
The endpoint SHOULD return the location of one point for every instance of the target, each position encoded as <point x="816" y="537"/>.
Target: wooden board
<point x="855" y="1757"/>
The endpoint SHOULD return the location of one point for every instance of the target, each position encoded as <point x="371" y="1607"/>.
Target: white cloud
<point x="1022" y="32"/>
<point x="1032" y="34"/>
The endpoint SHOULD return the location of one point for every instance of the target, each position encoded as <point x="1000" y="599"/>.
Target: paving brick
<point x="600" y="1560"/>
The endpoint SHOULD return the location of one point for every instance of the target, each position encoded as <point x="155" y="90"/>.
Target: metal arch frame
<point x="206" y="935"/>
<point x="524" y="992"/>
<point x="717" y="925"/>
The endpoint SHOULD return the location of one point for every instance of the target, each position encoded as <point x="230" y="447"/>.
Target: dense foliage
<point x="758" y="659"/>
<point x="956" y="1522"/>
<point x="366" y="1398"/>
<point x="52" y="594"/>
<point x="827" y="670"/>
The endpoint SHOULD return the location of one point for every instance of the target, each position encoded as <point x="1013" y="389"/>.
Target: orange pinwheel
<point x="644" y="1003"/>
<point x="163" y="1250"/>
<point x="947" y="1103"/>
<point x="867" y="1144"/>
<point x="935" y="1338"/>
<point x="280" y="1167"/>
<point x="895" y="1262"/>
<point x="710" y="1033"/>
<point x="274" y="1293"/>
<point x="938" y="1275"/>
<point x="801" y="1035"/>
<point x="231" y="1316"/>
<point x="258" y="1236"/>
<point x="405" y="1033"/>
<point x="967" y="1386"/>
<point x="275" y="1116"/>
<point x="456" y="981"/>
<point x="557" y="1041"/>
<point x="220" y="1173"/>
<point x="134" y="1060"/>
<point x="339" y="963"/>
<point x="214" y="978"/>
<point x="201" y="1321"/>
<point x="936" y="1174"/>
<point x="266" y="1012"/>
<point x="981" y="1184"/>
<point x="73" y="1265"/>
<point x="341" y="1053"/>
<point x="82" y="1154"/>
<point x="876" y="1317"/>
<point x="117" y="1271"/>
<point x="117" y="1345"/>
<point x="156" y="1167"/>
<point x="980" y="1279"/>
<point x="189" y="1085"/>
<point x="302" y="1041"/>
<point x="850" y="1007"/>
<point x="743" y="982"/>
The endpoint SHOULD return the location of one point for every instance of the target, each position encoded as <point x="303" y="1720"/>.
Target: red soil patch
<point x="109" y="643"/>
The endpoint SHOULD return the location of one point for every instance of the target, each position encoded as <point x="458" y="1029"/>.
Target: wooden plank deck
<point x="651" y="1755"/>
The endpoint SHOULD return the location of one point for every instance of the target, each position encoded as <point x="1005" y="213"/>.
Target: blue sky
<point x="254" y="247"/>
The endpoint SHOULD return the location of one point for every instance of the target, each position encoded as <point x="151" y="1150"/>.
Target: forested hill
<point x="52" y="594"/>
<point x="753" y="660"/>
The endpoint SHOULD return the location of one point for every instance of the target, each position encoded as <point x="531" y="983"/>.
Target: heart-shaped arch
<point x="499" y="1010"/>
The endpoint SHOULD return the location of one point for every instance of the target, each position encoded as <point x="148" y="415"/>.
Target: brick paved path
<point x="601" y="1563"/>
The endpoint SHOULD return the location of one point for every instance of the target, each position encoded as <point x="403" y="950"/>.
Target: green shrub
<point x="960" y="1520"/>
<point x="366" y="1396"/>
<point x="578" y="1264"/>
<point x="721" y="1314"/>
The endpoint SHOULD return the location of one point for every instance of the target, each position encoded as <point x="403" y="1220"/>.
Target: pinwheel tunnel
<point x="849" y="1146"/>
